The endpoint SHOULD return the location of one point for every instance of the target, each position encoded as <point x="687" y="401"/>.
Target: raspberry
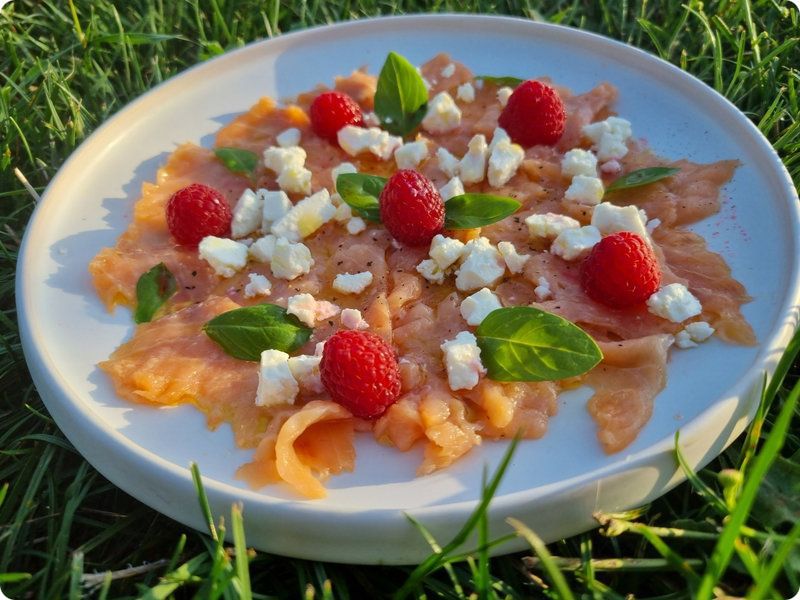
<point x="331" y="111"/>
<point x="534" y="115"/>
<point x="621" y="270"/>
<point x="360" y="372"/>
<point x="411" y="208"/>
<point x="196" y="211"/>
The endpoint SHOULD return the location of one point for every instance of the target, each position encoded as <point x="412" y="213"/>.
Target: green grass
<point x="65" y="532"/>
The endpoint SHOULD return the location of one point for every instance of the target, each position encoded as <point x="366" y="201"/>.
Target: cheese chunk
<point x="276" y="384"/>
<point x="476" y="308"/>
<point x="352" y="283"/>
<point x="462" y="360"/>
<point x="225" y="256"/>
<point x="443" y="115"/>
<point x="305" y="217"/>
<point x="674" y="302"/>
<point x="482" y="267"/>
<point x="289" y="260"/>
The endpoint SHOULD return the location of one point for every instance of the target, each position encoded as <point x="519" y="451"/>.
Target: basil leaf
<point x="153" y="289"/>
<point x="246" y="332"/>
<point x="362" y="193"/>
<point x="401" y="99"/>
<point x="641" y="177"/>
<point x="505" y="80"/>
<point x="523" y="343"/>
<point x="469" y="211"/>
<point x="238" y="160"/>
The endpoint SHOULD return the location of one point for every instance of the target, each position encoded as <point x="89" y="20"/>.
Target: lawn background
<point x="66" y="532"/>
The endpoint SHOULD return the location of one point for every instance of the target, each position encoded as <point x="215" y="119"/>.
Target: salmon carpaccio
<point x="171" y="361"/>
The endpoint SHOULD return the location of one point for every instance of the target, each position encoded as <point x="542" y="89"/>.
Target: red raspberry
<point x="331" y="111"/>
<point x="196" y="211"/>
<point x="621" y="270"/>
<point x="411" y="208"/>
<point x="534" y="115"/>
<point x="360" y="372"/>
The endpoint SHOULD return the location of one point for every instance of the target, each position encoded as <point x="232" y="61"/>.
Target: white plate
<point x="553" y="484"/>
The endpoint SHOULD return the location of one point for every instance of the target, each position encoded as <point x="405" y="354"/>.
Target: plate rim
<point x="777" y="337"/>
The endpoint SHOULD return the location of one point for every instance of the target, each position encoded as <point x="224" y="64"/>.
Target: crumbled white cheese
<point x="356" y="225"/>
<point x="499" y="135"/>
<point x="304" y="307"/>
<point x="693" y="334"/>
<point x="574" y="243"/>
<point x="305" y="370"/>
<point x="447" y="162"/>
<point x="443" y="115"/>
<point x="674" y="302"/>
<point x="445" y="250"/>
<point x="585" y="190"/>
<point x="503" y="94"/>
<point x="410" y="155"/>
<point x="288" y="164"/>
<point x="609" y="137"/>
<point x="246" y="214"/>
<point x="261" y="250"/>
<point x="352" y="283"/>
<point x="305" y="217"/>
<point x="452" y="188"/>
<point x="476" y="307"/>
<point x="514" y="261"/>
<point x="579" y="162"/>
<point x="542" y="290"/>
<point x="472" y="167"/>
<point x="466" y="92"/>
<point x="431" y="271"/>
<point x="549" y="225"/>
<point x="343" y="212"/>
<point x="462" y="359"/>
<point x="225" y="256"/>
<point x="611" y="167"/>
<point x="355" y="140"/>
<point x="276" y="385"/>
<point x="609" y="219"/>
<point x="274" y="206"/>
<point x="288" y="137"/>
<point x="351" y="319"/>
<point x="258" y="286"/>
<point x="341" y="169"/>
<point x="504" y="162"/>
<point x="652" y="225"/>
<point x="289" y="260"/>
<point x="371" y="119"/>
<point x="449" y="70"/>
<point x="482" y="267"/>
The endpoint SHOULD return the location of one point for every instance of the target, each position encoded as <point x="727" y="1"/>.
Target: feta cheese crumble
<point x="341" y="169"/>
<point x="276" y="384"/>
<point x="574" y="243"/>
<point x="289" y="260"/>
<point x="261" y="250"/>
<point x="466" y="93"/>
<point x="504" y="161"/>
<point x="609" y="137"/>
<point x="472" y="167"/>
<point x="274" y="206"/>
<point x="503" y="94"/>
<point x="476" y="308"/>
<point x="609" y="219"/>
<point x="355" y="140"/>
<point x="309" y="310"/>
<point x="431" y="271"/>
<point x="225" y="256"/>
<point x="258" y="286"/>
<point x="482" y="267"/>
<point x="246" y="214"/>
<point x="288" y="137"/>
<point x="674" y="302"/>
<point x="693" y="333"/>
<point x="352" y="283"/>
<point x="514" y="261"/>
<point x="579" y="162"/>
<point x="452" y="188"/>
<point x="289" y="165"/>
<point x="410" y="155"/>
<point x="305" y="370"/>
<point x="355" y="225"/>
<point x="443" y="115"/>
<point x="447" y="162"/>
<point x="462" y="360"/>
<point x="585" y="190"/>
<point x="549" y="225"/>
<point x="445" y="251"/>
<point x="351" y="319"/>
<point x="305" y="217"/>
<point x="542" y="290"/>
<point x="449" y="70"/>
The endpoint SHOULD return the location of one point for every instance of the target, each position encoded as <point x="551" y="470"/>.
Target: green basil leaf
<point x="523" y="343"/>
<point x="362" y="192"/>
<point x="469" y="211"/>
<point x="246" y="332"/>
<point x="401" y="99"/>
<point x="153" y="289"/>
<point x="505" y="80"/>
<point x="238" y="160"/>
<point x="641" y="177"/>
